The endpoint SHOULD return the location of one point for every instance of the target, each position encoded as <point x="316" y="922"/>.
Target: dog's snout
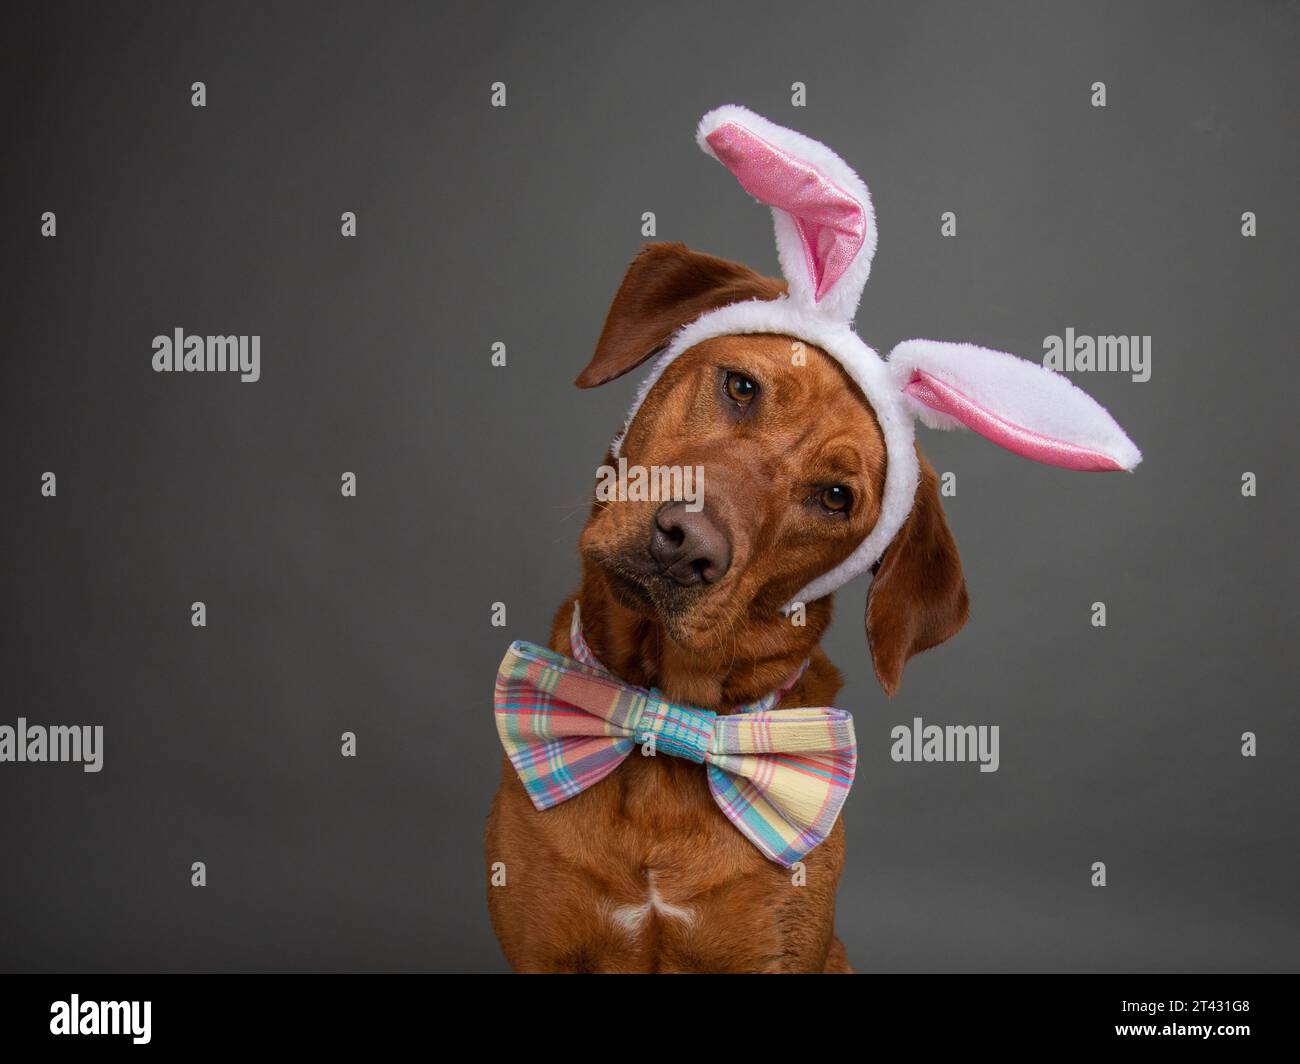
<point x="689" y="547"/>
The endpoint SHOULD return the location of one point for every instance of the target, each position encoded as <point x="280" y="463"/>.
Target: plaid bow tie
<point x="779" y="775"/>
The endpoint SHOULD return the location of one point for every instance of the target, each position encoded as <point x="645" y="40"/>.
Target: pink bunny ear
<point x="825" y="226"/>
<point x="1029" y="410"/>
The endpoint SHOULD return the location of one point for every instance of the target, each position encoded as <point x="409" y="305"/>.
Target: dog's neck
<point x="739" y="670"/>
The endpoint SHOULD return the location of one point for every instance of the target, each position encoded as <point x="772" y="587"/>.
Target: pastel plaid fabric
<point x="779" y="775"/>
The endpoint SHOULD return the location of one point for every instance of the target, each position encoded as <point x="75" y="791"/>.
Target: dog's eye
<point x="740" y="388"/>
<point x="836" y="500"/>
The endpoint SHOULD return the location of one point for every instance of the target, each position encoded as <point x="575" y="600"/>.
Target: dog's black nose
<point x="688" y="546"/>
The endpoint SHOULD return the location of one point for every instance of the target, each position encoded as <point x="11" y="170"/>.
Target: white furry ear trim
<point x="1025" y="408"/>
<point x="821" y="209"/>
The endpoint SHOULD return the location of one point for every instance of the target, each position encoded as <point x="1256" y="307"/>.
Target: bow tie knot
<point x="673" y="729"/>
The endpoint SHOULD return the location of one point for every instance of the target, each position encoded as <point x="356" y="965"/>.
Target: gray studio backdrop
<point x="478" y="225"/>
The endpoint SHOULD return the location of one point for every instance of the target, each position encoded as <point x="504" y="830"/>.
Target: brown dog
<point x="642" y="872"/>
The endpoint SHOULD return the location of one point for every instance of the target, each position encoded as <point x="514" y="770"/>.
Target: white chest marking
<point x="632" y="918"/>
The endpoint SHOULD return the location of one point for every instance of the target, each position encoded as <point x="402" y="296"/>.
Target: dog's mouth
<point x="640" y="584"/>
<point x="629" y="591"/>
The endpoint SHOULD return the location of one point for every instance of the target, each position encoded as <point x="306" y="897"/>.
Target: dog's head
<point x="793" y="465"/>
<point x="804" y="435"/>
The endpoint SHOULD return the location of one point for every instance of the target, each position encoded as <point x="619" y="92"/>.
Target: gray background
<point x="476" y="225"/>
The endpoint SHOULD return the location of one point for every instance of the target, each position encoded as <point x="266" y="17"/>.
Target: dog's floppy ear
<point x="918" y="597"/>
<point x="667" y="286"/>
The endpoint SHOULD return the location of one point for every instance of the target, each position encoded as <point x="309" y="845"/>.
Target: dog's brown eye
<point x="836" y="499"/>
<point x="740" y="388"/>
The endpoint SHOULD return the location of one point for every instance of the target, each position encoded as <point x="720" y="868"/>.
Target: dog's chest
<point x="672" y="873"/>
<point x="669" y="820"/>
<point x="643" y="873"/>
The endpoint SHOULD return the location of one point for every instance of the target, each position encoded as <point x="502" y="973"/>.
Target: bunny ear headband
<point x="826" y="237"/>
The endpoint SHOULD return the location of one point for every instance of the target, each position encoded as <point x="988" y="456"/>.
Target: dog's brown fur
<point x="652" y="829"/>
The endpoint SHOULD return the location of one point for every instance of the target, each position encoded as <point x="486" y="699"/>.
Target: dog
<point x="642" y="873"/>
<point x="812" y="476"/>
